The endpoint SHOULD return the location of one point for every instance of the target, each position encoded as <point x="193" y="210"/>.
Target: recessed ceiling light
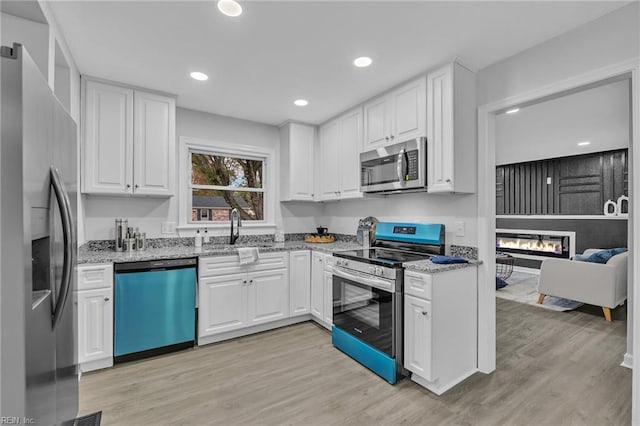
<point x="301" y="102"/>
<point x="229" y="7"/>
<point x="362" y="62"/>
<point x="200" y="76"/>
<point x="584" y="143"/>
<point x="513" y="111"/>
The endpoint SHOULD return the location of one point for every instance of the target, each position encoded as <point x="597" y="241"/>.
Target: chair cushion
<point x="601" y="256"/>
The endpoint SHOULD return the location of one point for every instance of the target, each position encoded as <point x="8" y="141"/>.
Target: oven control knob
<point x="345" y="263"/>
<point x="339" y="262"/>
<point x="379" y="270"/>
<point x="372" y="270"/>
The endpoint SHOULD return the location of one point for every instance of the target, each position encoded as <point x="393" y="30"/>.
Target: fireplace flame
<point x="530" y="245"/>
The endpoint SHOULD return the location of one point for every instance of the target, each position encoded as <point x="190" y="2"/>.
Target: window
<point x="221" y="182"/>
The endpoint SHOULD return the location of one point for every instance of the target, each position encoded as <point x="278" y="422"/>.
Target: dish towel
<point x="248" y="255"/>
<point x="448" y="259"/>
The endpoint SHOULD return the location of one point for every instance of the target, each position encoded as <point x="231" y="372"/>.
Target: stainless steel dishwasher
<point x="154" y="307"/>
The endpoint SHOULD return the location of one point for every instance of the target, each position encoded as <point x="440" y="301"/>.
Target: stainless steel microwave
<point x="395" y="168"/>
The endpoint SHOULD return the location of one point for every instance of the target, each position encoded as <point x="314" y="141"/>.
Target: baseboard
<point x="627" y="361"/>
<point x="435" y="387"/>
<point x="96" y="365"/>
<point x="205" y="340"/>
<point x="533" y="271"/>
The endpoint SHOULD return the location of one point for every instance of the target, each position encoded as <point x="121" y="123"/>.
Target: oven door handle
<point x="364" y="279"/>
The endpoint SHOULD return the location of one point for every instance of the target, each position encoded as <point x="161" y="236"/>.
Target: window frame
<point x="190" y="145"/>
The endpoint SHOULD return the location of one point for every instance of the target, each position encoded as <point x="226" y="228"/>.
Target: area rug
<point x="523" y="287"/>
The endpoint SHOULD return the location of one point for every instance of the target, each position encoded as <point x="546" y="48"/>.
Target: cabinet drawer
<point x="419" y="285"/>
<point x="225" y="265"/>
<point x="95" y="276"/>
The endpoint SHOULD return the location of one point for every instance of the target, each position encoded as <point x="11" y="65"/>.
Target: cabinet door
<point x="417" y="336"/>
<point x="95" y="324"/>
<point x="300" y="282"/>
<point x="409" y="111"/>
<point x="351" y="129"/>
<point x="222" y="304"/>
<point x="154" y="144"/>
<point x="108" y="139"/>
<point x="330" y="161"/>
<point x="301" y="141"/>
<point x="440" y="130"/>
<point x="376" y="123"/>
<point x="328" y="297"/>
<point x="317" y="285"/>
<point x="268" y="296"/>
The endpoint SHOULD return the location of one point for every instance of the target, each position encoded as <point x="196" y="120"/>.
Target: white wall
<point x="149" y="213"/>
<point x="552" y="128"/>
<point x="605" y="41"/>
<point x="342" y="217"/>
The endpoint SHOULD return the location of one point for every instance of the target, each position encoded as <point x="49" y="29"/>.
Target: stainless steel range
<point x="368" y="290"/>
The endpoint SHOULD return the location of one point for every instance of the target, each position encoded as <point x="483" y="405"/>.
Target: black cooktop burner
<point x="382" y="256"/>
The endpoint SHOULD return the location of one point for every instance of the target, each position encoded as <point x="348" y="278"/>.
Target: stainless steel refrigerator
<point x="38" y="199"/>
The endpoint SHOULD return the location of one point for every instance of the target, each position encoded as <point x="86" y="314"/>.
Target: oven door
<point x="399" y="166"/>
<point x="363" y="306"/>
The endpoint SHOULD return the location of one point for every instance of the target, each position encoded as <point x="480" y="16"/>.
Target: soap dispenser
<point x="198" y="239"/>
<point x="205" y="239"/>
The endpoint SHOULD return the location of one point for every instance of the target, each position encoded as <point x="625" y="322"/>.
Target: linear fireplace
<point x="536" y="244"/>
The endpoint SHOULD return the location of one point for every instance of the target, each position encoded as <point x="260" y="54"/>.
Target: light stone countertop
<point x="429" y="267"/>
<point x="93" y="256"/>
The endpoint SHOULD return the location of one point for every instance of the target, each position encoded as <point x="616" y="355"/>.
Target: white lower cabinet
<point x="322" y="288"/>
<point x="233" y="296"/>
<point x="222" y="304"/>
<point x="268" y="295"/>
<point x="440" y="327"/>
<point x="94" y="300"/>
<point x="300" y="282"/>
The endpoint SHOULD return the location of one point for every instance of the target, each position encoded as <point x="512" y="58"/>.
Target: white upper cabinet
<point x="340" y="147"/>
<point x="108" y="139"/>
<point x="330" y="160"/>
<point x="410" y="111"/>
<point x="154" y="147"/>
<point x="451" y="124"/>
<point x="129" y="141"/>
<point x="296" y="162"/>
<point x="396" y="116"/>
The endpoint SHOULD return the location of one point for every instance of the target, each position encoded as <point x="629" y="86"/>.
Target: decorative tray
<point x="315" y="238"/>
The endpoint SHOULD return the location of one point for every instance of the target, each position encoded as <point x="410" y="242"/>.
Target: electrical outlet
<point x="168" y="228"/>
<point x="460" y="229"/>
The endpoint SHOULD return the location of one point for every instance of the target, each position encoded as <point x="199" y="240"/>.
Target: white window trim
<point x="188" y="144"/>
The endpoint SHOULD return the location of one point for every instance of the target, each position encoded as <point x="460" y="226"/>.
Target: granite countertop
<point x="87" y="254"/>
<point x="431" y="268"/>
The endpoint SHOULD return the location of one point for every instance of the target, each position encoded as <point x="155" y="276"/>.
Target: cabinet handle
<point x="387" y="138"/>
<point x="250" y="281"/>
<point x="392" y="137"/>
<point x="128" y="186"/>
<point x="319" y="260"/>
<point x="244" y="281"/>
<point x="106" y="299"/>
<point x="425" y="313"/>
<point x="136" y="186"/>
<point x="448" y="180"/>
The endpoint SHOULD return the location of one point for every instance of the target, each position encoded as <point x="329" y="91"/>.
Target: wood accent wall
<point x="576" y="185"/>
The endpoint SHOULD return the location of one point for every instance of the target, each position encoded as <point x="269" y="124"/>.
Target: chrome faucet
<point x="234" y="215"/>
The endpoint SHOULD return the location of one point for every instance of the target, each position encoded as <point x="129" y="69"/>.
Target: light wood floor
<point x="553" y="368"/>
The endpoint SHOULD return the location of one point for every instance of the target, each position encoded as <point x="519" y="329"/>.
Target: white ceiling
<point x="553" y="128"/>
<point x="276" y="52"/>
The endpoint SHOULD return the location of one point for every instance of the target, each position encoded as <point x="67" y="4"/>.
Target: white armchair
<point x="597" y="284"/>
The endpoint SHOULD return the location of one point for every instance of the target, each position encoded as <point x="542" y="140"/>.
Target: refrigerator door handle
<point x="69" y="242"/>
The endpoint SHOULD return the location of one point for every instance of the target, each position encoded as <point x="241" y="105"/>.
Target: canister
<point x="141" y="241"/>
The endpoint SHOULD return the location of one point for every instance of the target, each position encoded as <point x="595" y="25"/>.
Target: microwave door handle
<point x="69" y="243"/>
<point x="372" y="282"/>
<point x="399" y="166"/>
